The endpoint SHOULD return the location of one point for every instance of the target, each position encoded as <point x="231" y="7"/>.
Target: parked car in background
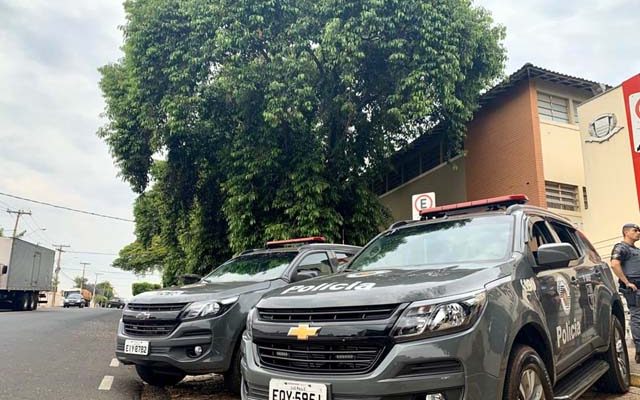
<point x="74" y="300"/>
<point x="116" y="302"/>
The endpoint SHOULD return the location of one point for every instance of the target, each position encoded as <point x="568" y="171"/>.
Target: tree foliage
<point x="141" y="287"/>
<point x="272" y="117"/>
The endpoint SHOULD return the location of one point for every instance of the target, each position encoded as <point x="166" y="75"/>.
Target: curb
<point x="635" y="379"/>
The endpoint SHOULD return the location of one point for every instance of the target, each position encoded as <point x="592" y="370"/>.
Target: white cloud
<point x="590" y="39"/>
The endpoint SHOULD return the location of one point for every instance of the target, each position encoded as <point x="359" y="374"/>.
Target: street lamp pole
<point x="93" y="296"/>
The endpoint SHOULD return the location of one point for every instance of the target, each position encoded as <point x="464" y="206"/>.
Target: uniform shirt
<point x="629" y="257"/>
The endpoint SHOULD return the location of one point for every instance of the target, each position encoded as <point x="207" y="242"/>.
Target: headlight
<point x="426" y="318"/>
<point x="208" y="308"/>
<point x="249" y="326"/>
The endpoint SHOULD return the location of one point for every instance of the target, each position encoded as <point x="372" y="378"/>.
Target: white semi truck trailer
<point x="25" y="271"/>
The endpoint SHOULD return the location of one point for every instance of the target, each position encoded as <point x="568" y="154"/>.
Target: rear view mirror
<point x="556" y="255"/>
<point x="304" y="274"/>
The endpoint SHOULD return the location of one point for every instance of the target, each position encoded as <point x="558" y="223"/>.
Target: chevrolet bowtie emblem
<point x="303" y="331"/>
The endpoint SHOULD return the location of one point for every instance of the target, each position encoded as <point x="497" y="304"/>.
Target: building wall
<point x="609" y="176"/>
<point x="446" y="180"/>
<point x="504" y="150"/>
<point x="562" y="147"/>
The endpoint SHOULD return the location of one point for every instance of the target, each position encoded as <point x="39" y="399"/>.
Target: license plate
<point x="136" y="347"/>
<point x="292" y="390"/>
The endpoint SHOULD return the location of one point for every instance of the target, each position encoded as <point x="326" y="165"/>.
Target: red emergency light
<point x="293" y="242"/>
<point x="495" y="202"/>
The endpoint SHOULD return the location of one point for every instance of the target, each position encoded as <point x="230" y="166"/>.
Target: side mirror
<point x="556" y="255"/>
<point x="188" y="279"/>
<point x="304" y="274"/>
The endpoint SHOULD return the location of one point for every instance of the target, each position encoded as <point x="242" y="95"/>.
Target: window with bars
<point x="553" y="108"/>
<point x="562" y="196"/>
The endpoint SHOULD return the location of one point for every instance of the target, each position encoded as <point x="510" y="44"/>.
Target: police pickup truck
<point x="490" y="299"/>
<point x="196" y="329"/>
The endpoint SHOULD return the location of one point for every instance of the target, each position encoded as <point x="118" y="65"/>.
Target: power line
<point x="67" y="208"/>
<point x="92" y="252"/>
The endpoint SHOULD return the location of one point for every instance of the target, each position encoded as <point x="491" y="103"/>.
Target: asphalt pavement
<point x="69" y="354"/>
<point x="62" y="354"/>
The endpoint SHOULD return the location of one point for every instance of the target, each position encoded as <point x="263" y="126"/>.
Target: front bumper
<point x="214" y="335"/>
<point x="435" y="358"/>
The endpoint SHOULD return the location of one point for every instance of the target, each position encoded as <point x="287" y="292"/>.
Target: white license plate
<point x="291" y="390"/>
<point x="136" y="347"/>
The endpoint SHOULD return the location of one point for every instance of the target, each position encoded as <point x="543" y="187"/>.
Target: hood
<point x="390" y="286"/>
<point x="199" y="291"/>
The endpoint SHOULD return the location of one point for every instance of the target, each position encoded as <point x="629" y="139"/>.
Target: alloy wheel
<point x="530" y="386"/>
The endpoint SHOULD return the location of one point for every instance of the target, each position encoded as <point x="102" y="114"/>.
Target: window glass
<point x="566" y="235"/>
<point x="449" y="242"/>
<point x="252" y="267"/>
<point x="316" y="262"/>
<point x="562" y="196"/>
<point x="553" y="108"/>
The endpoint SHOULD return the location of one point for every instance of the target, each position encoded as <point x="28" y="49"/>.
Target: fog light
<point x="435" y="396"/>
<point x="197" y="350"/>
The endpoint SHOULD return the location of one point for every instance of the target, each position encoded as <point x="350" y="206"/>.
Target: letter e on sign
<point x="422" y="201"/>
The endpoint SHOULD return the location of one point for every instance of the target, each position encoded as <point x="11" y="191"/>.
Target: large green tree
<point x="272" y="117"/>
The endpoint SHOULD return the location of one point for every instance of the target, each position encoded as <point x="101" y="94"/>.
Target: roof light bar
<point x="295" y="242"/>
<point x="502" y="201"/>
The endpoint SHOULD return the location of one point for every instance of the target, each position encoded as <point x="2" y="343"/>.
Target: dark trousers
<point x="634" y="322"/>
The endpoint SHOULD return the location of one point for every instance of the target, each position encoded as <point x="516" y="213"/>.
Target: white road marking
<point x="114" y="363"/>
<point x="106" y="383"/>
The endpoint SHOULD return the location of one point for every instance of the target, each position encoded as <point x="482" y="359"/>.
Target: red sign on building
<point x="631" y="94"/>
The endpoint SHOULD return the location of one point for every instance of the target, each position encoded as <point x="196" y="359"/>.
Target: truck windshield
<point x="252" y="268"/>
<point x="486" y="238"/>
<point x="75" y="296"/>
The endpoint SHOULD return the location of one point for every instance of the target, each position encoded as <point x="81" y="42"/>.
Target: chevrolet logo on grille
<point x="303" y="331"/>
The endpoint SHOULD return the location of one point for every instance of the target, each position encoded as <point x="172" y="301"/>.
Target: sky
<point x="50" y="107"/>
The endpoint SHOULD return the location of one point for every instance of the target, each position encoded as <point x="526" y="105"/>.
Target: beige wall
<point x="562" y="148"/>
<point x="446" y="180"/>
<point x="562" y="155"/>
<point x="609" y="175"/>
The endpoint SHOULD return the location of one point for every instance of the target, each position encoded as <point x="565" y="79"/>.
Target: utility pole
<point x="93" y="296"/>
<point x="59" y="248"/>
<point x="84" y="265"/>
<point x="18" y="213"/>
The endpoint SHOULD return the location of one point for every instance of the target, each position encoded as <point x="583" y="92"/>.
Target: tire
<point x="29" y="301"/>
<point x="159" y="378"/>
<point x="36" y="298"/>
<point x="233" y="377"/>
<point x="524" y="368"/>
<point x="21" y="302"/>
<point x="617" y="378"/>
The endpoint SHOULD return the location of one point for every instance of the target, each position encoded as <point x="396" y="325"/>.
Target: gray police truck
<point x="196" y="329"/>
<point x="491" y="299"/>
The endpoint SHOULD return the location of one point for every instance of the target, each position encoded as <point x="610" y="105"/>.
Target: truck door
<point x="35" y="271"/>
<point x="587" y="277"/>
<point x="558" y="289"/>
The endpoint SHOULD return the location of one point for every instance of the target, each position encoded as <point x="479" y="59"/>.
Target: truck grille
<point x="156" y="307"/>
<point x="149" y="327"/>
<point x="359" y="313"/>
<point x="320" y="358"/>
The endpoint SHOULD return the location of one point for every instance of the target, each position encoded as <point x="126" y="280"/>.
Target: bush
<point x="141" y="287"/>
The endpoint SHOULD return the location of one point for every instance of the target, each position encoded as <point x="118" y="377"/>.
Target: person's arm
<point x="616" y="266"/>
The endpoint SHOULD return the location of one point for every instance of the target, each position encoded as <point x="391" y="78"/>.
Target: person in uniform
<point x="625" y="262"/>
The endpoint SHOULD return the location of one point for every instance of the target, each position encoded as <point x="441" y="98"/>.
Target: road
<point x="62" y="354"/>
<point x="68" y="354"/>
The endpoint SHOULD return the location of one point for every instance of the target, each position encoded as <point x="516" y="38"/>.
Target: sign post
<point x="422" y="201"/>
